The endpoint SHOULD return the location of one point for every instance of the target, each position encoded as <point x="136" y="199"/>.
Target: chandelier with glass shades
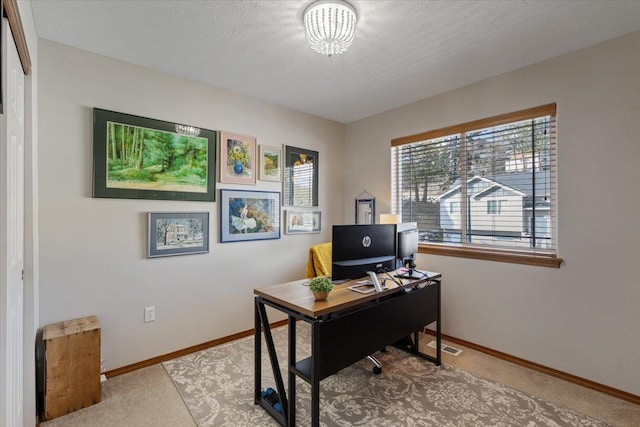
<point x="187" y="130"/>
<point x="330" y="26"/>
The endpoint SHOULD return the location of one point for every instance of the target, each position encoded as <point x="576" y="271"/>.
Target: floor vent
<point x="446" y="348"/>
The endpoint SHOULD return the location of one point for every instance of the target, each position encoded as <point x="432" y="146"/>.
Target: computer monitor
<point x="407" y="250"/>
<point x="356" y="249"/>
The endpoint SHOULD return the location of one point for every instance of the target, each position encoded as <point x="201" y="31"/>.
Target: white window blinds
<point x="488" y="183"/>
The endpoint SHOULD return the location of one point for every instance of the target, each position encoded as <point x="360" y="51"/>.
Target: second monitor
<point x="408" y="238"/>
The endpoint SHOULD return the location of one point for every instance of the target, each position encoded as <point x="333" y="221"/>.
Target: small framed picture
<point x="183" y="233"/>
<point x="303" y="221"/>
<point x="237" y="159"/>
<point x="300" y="184"/>
<point x="270" y="163"/>
<point x="249" y="215"/>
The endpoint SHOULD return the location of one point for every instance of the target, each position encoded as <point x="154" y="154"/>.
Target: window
<point x="484" y="189"/>
<point x="494" y="207"/>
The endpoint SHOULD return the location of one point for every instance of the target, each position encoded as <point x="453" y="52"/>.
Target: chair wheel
<point x="377" y="370"/>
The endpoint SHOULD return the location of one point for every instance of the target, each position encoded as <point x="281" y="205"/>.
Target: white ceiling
<point x="404" y="51"/>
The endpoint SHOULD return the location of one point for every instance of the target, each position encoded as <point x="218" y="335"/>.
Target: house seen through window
<point x="488" y="184"/>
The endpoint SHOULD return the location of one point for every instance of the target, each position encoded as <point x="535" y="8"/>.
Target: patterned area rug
<point x="217" y="387"/>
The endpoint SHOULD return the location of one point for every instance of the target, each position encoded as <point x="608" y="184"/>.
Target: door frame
<point x="11" y="10"/>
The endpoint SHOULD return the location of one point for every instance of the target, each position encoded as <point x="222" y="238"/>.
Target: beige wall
<point x="93" y="251"/>
<point x="582" y="318"/>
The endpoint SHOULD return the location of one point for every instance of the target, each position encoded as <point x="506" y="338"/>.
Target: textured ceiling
<point x="404" y="51"/>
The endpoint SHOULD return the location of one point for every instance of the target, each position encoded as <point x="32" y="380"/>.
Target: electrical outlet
<point x="103" y="369"/>
<point x="149" y="314"/>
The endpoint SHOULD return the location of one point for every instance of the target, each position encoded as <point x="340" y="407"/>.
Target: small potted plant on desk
<point x="320" y="286"/>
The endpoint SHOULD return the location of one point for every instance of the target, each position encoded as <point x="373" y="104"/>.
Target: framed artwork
<point x="181" y="233"/>
<point x="270" y="163"/>
<point x="365" y="208"/>
<point x="249" y="215"/>
<point x="365" y="211"/>
<point x="300" y="177"/>
<point x="237" y="158"/>
<point x="302" y="221"/>
<point x="140" y="158"/>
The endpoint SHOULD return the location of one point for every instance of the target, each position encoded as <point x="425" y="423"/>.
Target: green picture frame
<point x="141" y="158"/>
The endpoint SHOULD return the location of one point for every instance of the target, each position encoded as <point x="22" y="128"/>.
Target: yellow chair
<point x="319" y="263"/>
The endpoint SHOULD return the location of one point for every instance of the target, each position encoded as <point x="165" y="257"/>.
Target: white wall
<point x="93" y="251"/>
<point x="582" y="318"/>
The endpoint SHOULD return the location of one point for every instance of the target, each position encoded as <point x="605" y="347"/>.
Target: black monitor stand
<point x="410" y="264"/>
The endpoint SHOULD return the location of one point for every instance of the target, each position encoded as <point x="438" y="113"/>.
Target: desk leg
<point x="273" y="357"/>
<point x="257" y="365"/>
<point x="315" y="375"/>
<point x="315" y="403"/>
<point x="292" y="376"/>
<point x="439" y="329"/>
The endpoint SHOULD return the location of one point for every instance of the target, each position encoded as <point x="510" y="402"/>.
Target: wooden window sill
<point x="540" y="260"/>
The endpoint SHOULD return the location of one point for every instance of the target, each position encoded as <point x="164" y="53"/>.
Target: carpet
<point x="217" y="387"/>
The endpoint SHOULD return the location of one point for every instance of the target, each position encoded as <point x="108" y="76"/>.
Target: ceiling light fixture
<point x="187" y="130"/>
<point x="330" y="26"/>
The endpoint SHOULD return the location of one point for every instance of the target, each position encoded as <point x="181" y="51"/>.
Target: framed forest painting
<point x="140" y="158"/>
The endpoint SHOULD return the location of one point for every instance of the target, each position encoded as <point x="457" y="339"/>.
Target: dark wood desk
<point x="344" y="329"/>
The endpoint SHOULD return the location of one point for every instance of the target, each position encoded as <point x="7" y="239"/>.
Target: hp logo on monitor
<point x="366" y="241"/>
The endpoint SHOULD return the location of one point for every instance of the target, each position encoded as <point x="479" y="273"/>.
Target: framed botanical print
<point x="249" y="215"/>
<point x="300" y="185"/>
<point x="237" y="158"/>
<point x="270" y="163"/>
<point x="140" y="158"/>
